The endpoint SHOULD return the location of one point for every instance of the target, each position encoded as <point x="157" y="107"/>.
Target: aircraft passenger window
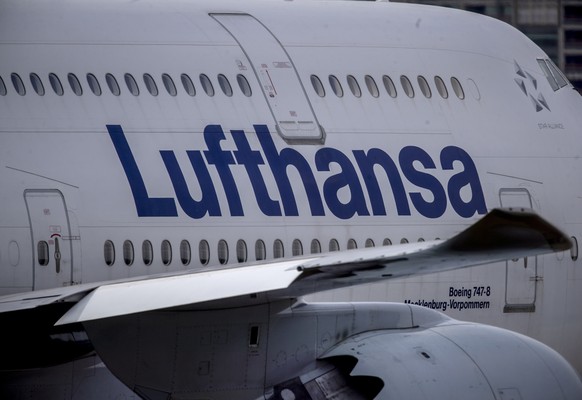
<point x="150" y="84"/>
<point x="204" y="252"/>
<point x="315" y="246"/>
<point x="206" y="85"/>
<point x="188" y="85"/>
<point x="169" y="85"/>
<point x="112" y="84"/>
<point x="222" y="252"/>
<point x="56" y="84"/>
<point x="372" y="87"/>
<point x="336" y="86"/>
<point x="260" y="250"/>
<point x="128" y="253"/>
<point x="403" y="241"/>
<point x="185" y="252"/>
<point x="147" y="252"/>
<point x="333" y="245"/>
<point x="241" y="251"/>
<point x="225" y="85"/>
<point x="352" y="244"/>
<point x="42" y="250"/>
<point x="3" y="90"/>
<point x="441" y="87"/>
<point x="297" y="248"/>
<point x="420" y="240"/>
<point x="166" y="252"/>
<point x="131" y="84"/>
<point x="244" y="86"/>
<point x="574" y="248"/>
<point x="94" y="84"/>
<point x="387" y="242"/>
<point x="389" y="86"/>
<point x="37" y="84"/>
<point x="457" y="88"/>
<point x="317" y="86"/>
<point x="18" y="84"/>
<point x="278" y="250"/>
<point x="109" y="253"/>
<point x="369" y="243"/>
<point x="407" y="86"/>
<point x="354" y="87"/>
<point x="75" y="84"/>
<point x="424" y="87"/>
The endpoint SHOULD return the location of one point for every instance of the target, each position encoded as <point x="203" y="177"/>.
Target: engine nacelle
<point x="321" y="351"/>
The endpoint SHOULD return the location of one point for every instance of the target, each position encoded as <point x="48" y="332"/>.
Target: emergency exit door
<point x="521" y="274"/>
<point x="280" y="83"/>
<point x="51" y="238"/>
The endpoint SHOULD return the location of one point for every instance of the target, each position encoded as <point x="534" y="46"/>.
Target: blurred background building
<point x="555" y="25"/>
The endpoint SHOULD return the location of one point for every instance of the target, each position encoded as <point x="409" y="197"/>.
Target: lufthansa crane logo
<point x="529" y="86"/>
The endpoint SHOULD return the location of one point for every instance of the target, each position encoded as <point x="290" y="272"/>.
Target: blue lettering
<point x="145" y="205"/>
<point x="430" y="209"/>
<point x="467" y="177"/>
<point x="346" y="178"/>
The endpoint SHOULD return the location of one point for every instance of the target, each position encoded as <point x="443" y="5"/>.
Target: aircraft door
<point x="51" y="239"/>
<point x="291" y="109"/>
<point x="521" y="275"/>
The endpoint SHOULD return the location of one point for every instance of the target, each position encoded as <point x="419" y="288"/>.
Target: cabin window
<point x="75" y="84"/>
<point x="204" y="252"/>
<point x="222" y="251"/>
<point x="244" y="86"/>
<point x="207" y="85"/>
<point x="188" y="85"/>
<point x="315" y="246"/>
<point x="42" y="250"/>
<point x="369" y="243"/>
<point x="260" y="250"/>
<point x="297" y="248"/>
<point x="574" y="249"/>
<point x="371" y="85"/>
<point x="128" y="252"/>
<point x="169" y="85"/>
<point x="166" y="252"/>
<point x="241" y="251"/>
<point x="94" y="84"/>
<point x="147" y="252"/>
<point x="334" y="245"/>
<point x="457" y="88"/>
<point x="109" y="253"/>
<point x="352" y="244"/>
<point x="420" y="240"/>
<point x="224" y="85"/>
<point x="131" y="84"/>
<point x="3" y="90"/>
<point x="278" y="250"/>
<point x="317" y="86"/>
<point x="424" y="87"/>
<point x="18" y="84"/>
<point x="336" y="86"/>
<point x="387" y="242"/>
<point x="185" y="252"/>
<point x="441" y="87"/>
<point x="37" y="84"/>
<point x="354" y="86"/>
<point x="407" y="86"/>
<point x="403" y="241"/>
<point x="112" y="84"/>
<point x="389" y="86"/>
<point x="150" y="84"/>
<point x="56" y="84"/>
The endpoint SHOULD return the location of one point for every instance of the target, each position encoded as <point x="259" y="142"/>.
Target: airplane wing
<point x="502" y="234"/>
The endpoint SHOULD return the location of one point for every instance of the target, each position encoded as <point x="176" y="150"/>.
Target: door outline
<point x="522" y="195"/>
<point x="52" y="234"/>
<point x="306" y="139"/>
